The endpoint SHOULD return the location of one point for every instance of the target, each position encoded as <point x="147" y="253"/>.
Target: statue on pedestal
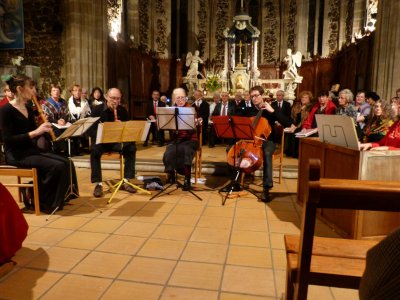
<point x="192" y="61"/>
<point x="293" y="61"/>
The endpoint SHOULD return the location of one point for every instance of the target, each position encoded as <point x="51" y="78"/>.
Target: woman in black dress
<point x="21" y="134"/>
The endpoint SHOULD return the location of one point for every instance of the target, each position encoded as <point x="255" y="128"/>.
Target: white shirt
<point x="78" y="112"/>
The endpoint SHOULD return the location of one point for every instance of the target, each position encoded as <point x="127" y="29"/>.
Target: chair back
<point x="338" y="194"/>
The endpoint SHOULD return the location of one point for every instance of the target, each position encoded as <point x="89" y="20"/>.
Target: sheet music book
<point x="78" y="128"/>
<point x="146" y="129"/>
<point x="185" y="118"/>
<point x="119" y="132"/>
<point x="306" y="133"/>
<point x="67" y="125"/>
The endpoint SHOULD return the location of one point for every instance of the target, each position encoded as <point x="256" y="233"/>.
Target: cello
<point x="247" y="155"/>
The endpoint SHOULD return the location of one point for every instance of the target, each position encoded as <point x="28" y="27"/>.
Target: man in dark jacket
<point x="111" y="111"/>
<point x="157" y="135"/>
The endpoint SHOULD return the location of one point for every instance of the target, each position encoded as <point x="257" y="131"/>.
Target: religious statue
<point x="239" y="82"/>
<point x="192" y="61"/>
<point x="293" y="61"/>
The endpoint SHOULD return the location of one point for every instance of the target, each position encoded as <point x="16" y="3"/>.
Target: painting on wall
<point x="11" y="24"/>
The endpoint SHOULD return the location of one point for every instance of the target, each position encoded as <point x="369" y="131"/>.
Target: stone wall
<point x="43" y="30"/>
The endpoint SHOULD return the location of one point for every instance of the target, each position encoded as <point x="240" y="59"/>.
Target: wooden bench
<point x="6" y="170"/>
<point x="333" y="261"/>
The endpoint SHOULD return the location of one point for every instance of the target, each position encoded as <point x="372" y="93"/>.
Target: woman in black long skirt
<point x="21" y="135"/>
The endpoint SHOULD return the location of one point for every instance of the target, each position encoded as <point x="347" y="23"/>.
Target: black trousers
<point x="128" y="151"/>
<point x="179" y="154"/>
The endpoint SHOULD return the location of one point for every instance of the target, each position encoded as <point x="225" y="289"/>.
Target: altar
<point x="240" y="67"/>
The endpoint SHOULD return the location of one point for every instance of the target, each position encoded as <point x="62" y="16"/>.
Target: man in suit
<point x="157" y="135"/>
<point x="239" y="103"/>
<point x="245" y="105"/>
<point x="203" y="111"/>
<point x="111" y="111"/>
<point x="223" y="108"/>
<point x="281" y="105"/>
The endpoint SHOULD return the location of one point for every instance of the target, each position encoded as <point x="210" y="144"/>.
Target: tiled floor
<point x="173" y="247"/>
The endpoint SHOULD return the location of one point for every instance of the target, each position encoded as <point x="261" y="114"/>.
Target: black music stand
<point x="75" y="130"/>
<point x="121" y="132"/>
<point x="237" y="128"/>
<point x="176" y="119"/>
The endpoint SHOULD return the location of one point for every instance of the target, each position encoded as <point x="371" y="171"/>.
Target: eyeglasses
<point x="254" y="96"/>
<point x="114" y="98"/>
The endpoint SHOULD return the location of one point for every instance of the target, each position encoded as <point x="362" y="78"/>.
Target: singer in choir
<point x="21" y="136"/>
<point x="111" y="111"/>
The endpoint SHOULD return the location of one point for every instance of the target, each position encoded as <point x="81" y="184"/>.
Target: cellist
<point x="268" y="145"/>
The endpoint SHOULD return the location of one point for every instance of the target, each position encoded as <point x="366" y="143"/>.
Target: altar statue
<point x="192" y="61"/>
<point x="293" y="61"/>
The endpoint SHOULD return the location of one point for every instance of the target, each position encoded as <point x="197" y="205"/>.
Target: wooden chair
<point x="197" y="158"/>
<point x="329" y="261"/>
<point x="6" y="170"/>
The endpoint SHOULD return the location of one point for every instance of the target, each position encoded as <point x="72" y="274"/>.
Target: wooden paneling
<point x="343" y="163"/>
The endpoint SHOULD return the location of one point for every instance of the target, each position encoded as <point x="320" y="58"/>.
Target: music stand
<point x="121" y="132"/>
<point x="177" y="119"/>
<point x="237" y="128"/>
<point x="75" y="130"/>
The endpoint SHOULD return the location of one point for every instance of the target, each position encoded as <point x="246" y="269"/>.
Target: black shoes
<point x="98" y="191"/>
<point x="128" y="188"/>
<point x="145" y="144"/>
<point x="265" y="196"/>
<point x="227" y="188"/>
<point x="186" y="184"/>
<point x="171" y="177"/>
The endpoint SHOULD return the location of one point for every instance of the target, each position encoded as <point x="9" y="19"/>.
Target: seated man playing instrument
<point x="111" y="111"/>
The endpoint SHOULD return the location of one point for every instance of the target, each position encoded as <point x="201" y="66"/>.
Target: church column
<point x="358" y="21"/>
<point x="302" y="26"/>
<point x="85" y="50"/>
<point x="386" y="55"/>
<point x="133" y="20"/>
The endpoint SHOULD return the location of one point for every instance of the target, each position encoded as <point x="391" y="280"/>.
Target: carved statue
<point x="293" y="62"/>
<point x="239" y="82"/>
<point x="192" y="61"/>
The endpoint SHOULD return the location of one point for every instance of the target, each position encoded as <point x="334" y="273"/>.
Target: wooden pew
<point x="331" y="261"/>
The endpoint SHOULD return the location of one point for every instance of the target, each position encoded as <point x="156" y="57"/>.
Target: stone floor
<point x="172" y="247"/>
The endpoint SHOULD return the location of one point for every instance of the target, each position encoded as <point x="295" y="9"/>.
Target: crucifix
<point x="240" y="54"/>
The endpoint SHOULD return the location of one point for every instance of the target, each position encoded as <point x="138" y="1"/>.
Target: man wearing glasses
<point x="111" y="111"/>
<point x="268" y="145"/>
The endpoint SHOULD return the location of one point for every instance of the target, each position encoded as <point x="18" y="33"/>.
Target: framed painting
<point x="11" y="24"/>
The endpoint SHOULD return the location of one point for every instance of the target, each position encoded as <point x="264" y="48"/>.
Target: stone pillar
<point x="85" y="43"/>
<point x="359" y="14"/>
<point x="385" y="79"/>
<point x="132" y="26"/>
<point x="302" y="26"/>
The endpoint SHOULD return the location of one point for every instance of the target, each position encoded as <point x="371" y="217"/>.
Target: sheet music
<point x="78" y="128"/>
<point x="184" y="118"/>
<point x="120" y="132"/>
